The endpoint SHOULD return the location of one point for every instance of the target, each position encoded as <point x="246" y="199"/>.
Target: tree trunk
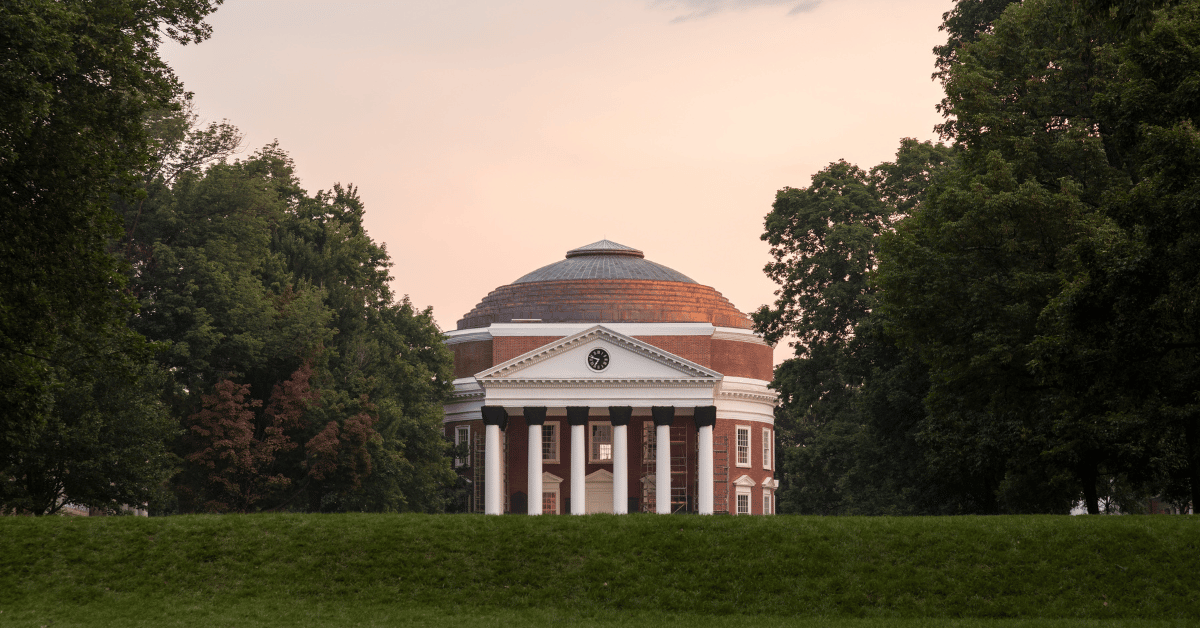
<point x="1087" y="475"/>
<point x="1192" y="449"/>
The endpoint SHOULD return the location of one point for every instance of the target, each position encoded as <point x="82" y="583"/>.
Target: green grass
<point x="599" y="571"/>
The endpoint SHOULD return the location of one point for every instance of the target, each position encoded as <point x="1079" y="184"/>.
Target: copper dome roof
<point x="605" y="282"/>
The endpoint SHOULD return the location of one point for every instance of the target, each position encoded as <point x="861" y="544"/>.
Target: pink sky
<point x="488" y="137"/>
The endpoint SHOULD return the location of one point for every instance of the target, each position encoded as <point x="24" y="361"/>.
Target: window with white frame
<point x="462" y="435"/>
<point x="550" y="442"/>
<point x="768" y="502"/>
<point x="601" y="445"/>
<point x="743" y="446"/>
<point x="768" y="436"/>
<point x="743" y="489"/>
<point x="551" y="494"/>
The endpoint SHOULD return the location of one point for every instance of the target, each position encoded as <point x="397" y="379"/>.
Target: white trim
<point x="552" y="484"/>
<point x="744" y="481"/>
<point x="496" y="330"/>
<point x="737" y="452"/>
<point x="591" y="450"/>
<point x="554" y="428"/>
<point x="768" y="446"/>
<point x="738" y="335"/>
<point x="742" y="488"/>
<point x="465" y="335"/>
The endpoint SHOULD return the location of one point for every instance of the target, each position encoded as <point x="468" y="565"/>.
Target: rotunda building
<point x="605" y="382"/>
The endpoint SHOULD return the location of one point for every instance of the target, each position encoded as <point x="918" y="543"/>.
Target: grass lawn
<point x="465" y="571"/>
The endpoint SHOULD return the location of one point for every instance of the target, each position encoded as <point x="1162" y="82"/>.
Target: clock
<point x="598" y="359"/>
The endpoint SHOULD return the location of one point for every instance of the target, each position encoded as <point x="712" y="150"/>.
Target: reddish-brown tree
<point x="238" y="464"/>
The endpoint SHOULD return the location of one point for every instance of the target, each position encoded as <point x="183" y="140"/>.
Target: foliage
<point x="850" y="398"/>
<point x="1035" y="289"/>
<point x="1040" y="282"/>
<point x="275" y="317"/>
<point x="78" y="78"/>
<point x="1030" y="568"/>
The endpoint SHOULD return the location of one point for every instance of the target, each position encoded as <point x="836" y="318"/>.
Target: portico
<point x="496" y="420"/>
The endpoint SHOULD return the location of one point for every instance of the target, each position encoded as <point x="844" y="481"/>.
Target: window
<point x="550" y="442"/>
<point x="743" y="489"/>
<point x="768" y="497"/>
<point x="551" y="494"/>
<point x="743" y="446"/>
<point x="602" y="442"/>
<point x="767" y="438"/>
<point x="462" y="435"/>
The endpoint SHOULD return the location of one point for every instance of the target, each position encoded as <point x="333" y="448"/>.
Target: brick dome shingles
<point x="605" y="282"/>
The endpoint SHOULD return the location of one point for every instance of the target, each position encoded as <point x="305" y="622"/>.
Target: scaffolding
<point x="679" y="468"/>
<point x="649" y="450"/>
<point x="681" y="491"/>
<point x="479" y="472"/>
<point x="721" y="474"/>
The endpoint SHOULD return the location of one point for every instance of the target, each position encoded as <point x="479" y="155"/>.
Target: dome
<point x="605" y="282"/>
<point x="604" y="260"/>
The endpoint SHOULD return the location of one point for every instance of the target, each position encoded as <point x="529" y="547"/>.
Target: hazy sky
<point x="488" y="137"/>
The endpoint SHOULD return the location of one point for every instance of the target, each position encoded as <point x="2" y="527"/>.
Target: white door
<point x="599" y="492"/>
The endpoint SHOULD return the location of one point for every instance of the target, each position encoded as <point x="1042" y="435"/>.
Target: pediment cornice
<point x="508" y="373"/>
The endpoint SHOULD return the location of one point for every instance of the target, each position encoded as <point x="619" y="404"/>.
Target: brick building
<point x="607" y="383"/>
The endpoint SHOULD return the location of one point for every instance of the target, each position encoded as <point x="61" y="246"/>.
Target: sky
<point x="488" y="137"/>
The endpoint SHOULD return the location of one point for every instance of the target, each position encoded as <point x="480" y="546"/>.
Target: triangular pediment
<point x="602" y="476"/>
<point x="744" y="481"/>
<point x="598" y="353"/>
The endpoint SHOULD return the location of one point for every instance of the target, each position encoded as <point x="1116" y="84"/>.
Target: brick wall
<point x="505" y="348"/>
<point x="728" y="429"/>
<point x="742" y="359"/>
<point x="471" y="357"/>
<point x="694" y="348"/>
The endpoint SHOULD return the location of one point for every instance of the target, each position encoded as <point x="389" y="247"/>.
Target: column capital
<point x="535" y="415"/>
<point x="705" y="416"/>
<point x="619" y="415"/>
<point x="495" y="415"/>
<point x="577" y="415"/>
<point x="663" y="415"/>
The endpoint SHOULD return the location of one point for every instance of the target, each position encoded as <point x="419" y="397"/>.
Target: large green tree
<point x="259" y="293"/>
<point x="851" y="398"/>
<point x="1048" y="282"/>
<point x="78" y="78"/>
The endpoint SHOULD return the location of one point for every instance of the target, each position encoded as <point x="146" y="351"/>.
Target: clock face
<point x="598" y="359"/>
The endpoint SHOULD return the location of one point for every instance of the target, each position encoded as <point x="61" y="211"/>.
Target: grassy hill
<point x="640" y="569"/>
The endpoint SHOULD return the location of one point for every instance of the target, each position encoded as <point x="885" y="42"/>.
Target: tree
<point x="78" y="78"/>
<point x="1043" y="283"/>
<point x="244" y="276"/>
<point x="850" y="398"/>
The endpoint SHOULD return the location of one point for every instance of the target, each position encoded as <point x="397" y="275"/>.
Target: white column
<point x="578" y="460"/>
<point x="705" y="484"/>
<point x="492" y="503"/>
<point x="662" y="469"/>
<point x="535" y="469"/>
<point x="620" y="469"/>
